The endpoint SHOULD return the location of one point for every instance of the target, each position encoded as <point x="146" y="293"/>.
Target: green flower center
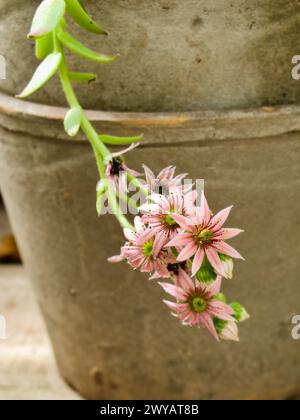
<point x="205" y="236"/>
<point x="170" y="222"/>
<point x="199" y="304"/>
<point x="148" y="248"/>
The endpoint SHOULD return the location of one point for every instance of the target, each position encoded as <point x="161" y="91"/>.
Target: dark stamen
<point x="173" y="268"/>
<point x="116" y="166"/>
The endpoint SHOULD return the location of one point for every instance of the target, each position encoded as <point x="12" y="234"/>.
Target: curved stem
<point x="138" y="184"/>
<point x="100" y="150"/>
<point x="128" y="200"/>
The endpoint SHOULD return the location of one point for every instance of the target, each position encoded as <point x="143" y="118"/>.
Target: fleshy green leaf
<point x="82" y="50"/>
<point x="73" y="120"/>
<point x="221" y="297"/>
<point x="219" y="325"/>
<point x="206" y="274"/>
<point x="47" y="17"/>
<point x="78" y="13"/>
<point x="119" y="140"/>
<point x="44" y="46"/>
<point x="83" y="77"/>
<point x="42" y="74"/>
<point x="224" y="258"/>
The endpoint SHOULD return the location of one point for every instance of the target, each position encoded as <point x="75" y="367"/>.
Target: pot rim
<point x="211" y="124"/>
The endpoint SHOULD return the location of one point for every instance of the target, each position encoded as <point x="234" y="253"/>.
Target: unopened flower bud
<point x="230" y="332"/>
<point x="228" y="265"/>
<point x="240" y="312"/>
<point x="219" y="325"/>
<point x="221" y="297"/>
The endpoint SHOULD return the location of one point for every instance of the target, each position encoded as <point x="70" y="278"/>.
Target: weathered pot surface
<point x="112" y="335"/>
<point x="175" y="55"/>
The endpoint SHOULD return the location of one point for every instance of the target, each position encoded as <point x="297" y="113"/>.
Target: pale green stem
<point x="138" y="184"/>
<point x="127" y="200"/>
<point x="100" y="150"/>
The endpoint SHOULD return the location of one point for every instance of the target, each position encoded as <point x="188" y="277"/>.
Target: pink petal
<point x="215" y="288"/>
<point x="145" y="236"/>
<point x="187" y="316"/>
<point x="194" y="319"/>
<point x="164" y="203"/>
<point x="187" y="252"/>
<point x="137" y="262"/>
<point x="159" y="242"/>
<point x="189" y="202"/>
<point x="178" y="179"/>
<point x="205" y="210"/>
<point x="184" y="281"/>
<point x="155" y="199"/>
<point x="180" y="240"/>
<point x="108" y="169"/>
<point x="129" y="235"/>
<point x="138" y="224"/>
<point x="220" y="218"/>
<point x="198" y="260"/>
<point x="172" y="305"/>
<point x="131" y="147"/>
<point x="226" y="249"/>
<point x="219" y="309"/>
<point x="167" y="173"/>
<point x="155" y="276"/>
<point x="230" y="332"/>
<point x="222" y="315"/>
<point x="123" y="188"/>
<point x="191" y="196"/>
<point x="147" y="267"/>
<point x="207" y="322"/>
<point x="131" y="171"/>
<point x="150" y="177"/>
<point x="148" y="208"/>
<point x="174" y="291"/>
<point x="116" y="259"/>
<point x="224" y="234"/>
<point x="161" y="269"/>
<point x="215" y="261"/>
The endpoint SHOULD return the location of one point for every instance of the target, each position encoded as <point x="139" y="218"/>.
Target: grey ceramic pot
<point x="175" y="55"/>
<point x="111" y="333"/>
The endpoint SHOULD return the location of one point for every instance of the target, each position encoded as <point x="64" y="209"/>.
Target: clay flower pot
<point x="175" y="55"/>
<point x="196" y="66"/>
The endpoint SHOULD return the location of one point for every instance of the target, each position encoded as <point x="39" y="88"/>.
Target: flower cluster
<point x="185" y="244"/>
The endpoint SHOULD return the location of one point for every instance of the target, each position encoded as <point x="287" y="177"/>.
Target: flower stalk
<point x="101" y="152"/>
<point x="173" y="238"/>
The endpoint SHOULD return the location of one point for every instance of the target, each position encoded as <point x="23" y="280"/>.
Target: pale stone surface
<point x="175" y="55"/>
<point x="28" y="370"/>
